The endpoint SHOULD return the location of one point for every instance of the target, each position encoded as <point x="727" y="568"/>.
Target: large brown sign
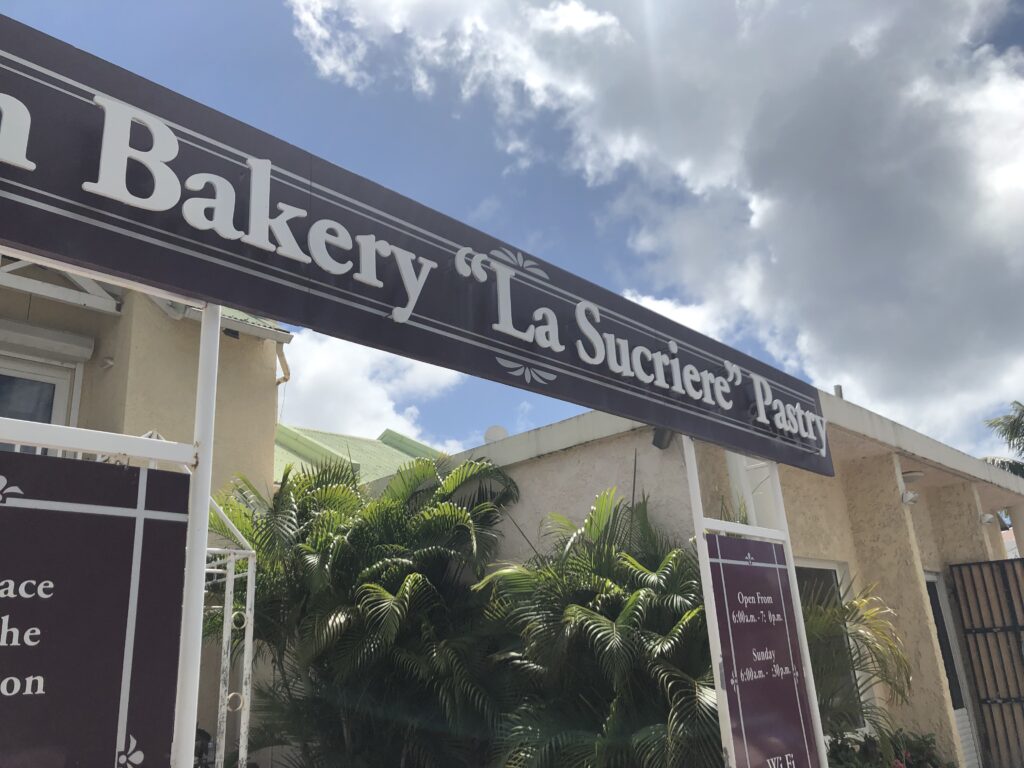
<point x="103" y="169"/>
<point x="91" y="569"/>
<point x="769" y="708"/>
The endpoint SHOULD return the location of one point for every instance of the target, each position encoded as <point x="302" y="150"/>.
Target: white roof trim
<point x="231" y="324"/>
<point x="177" y="311"/>
<point x="595" y="425"/>
<point x="860" y="420"/>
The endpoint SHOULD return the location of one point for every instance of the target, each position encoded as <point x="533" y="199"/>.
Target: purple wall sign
<point x="769" y="707"/>
<point x="92" y="561"/>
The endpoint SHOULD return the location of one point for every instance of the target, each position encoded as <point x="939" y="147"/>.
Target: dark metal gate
<point x="991" y="600"/>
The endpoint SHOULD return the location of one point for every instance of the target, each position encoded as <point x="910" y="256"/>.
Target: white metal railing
<point x="76" y="440"/>
<point x="221" y="567"/>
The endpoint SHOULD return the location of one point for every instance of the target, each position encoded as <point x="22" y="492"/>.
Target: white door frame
<point x="950" y="623"/>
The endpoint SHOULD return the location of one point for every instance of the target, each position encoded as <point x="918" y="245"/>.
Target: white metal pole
<point x="186" y="705"/>
<point x="225" y="663"/>
<point x="250" y="610"/>
<point x="707" y="586"/>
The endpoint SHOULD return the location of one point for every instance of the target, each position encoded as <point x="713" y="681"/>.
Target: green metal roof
<point x="374" y="458"/>
<point x="253" y="320"/>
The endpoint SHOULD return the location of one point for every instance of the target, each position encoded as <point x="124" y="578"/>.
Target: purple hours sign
<point x="769" y="707"/>
<point x="91" y="567"/>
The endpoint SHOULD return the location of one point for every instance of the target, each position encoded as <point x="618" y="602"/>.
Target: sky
<point x="835" y="188"/>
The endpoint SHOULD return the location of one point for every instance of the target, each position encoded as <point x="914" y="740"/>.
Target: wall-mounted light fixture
<point x="910" y="497"/>
<point x="987" y="518"/>
<point x="662" y="438"/>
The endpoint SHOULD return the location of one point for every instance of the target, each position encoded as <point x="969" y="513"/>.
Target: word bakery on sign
<point x="332" y="247"/>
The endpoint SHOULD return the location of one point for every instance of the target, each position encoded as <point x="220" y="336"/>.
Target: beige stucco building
<point x="77" y="353"/>
<point x="98" y="357"/>
<point x="901" y="508"/>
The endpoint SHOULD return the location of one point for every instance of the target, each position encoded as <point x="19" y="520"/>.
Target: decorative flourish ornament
<point x="518" y="260"/>
<point x="132" y="755"/>
<point x="6" y="490"/>
<point x="526" y="372"/>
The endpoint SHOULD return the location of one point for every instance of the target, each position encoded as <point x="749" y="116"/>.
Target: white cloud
<point x="842" y="180"/>
<point x="703" y="318"/>
<point x="484" y="210"/>
<point x="347" y="388"/>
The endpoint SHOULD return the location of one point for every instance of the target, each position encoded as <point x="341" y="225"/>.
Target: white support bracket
<point x="87" y="292"/>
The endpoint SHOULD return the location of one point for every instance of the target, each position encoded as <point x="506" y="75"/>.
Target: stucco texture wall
<point x="103" y="389"/>
<point x="819" y="525"/>
<point x="567" y="482"/>
<point x="954" y="512"/>
<point x="142" y="377"/>
<point x="886" y="542"/>
<point x="162" y="356"/>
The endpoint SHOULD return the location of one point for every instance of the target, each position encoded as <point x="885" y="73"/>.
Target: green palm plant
<point x="381" y="653"/>
<point x="614" y="667"/>
<point x="1010" y="427"/>
<point x="856" y="654"/>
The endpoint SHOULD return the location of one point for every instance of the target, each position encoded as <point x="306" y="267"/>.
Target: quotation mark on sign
<point x="132" y="756"/>
<point x="733" y="373"/>
<point x="5" y="490"/>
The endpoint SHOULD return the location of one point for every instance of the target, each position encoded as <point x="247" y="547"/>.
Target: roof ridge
<point x="407" y="445"/>
<point x="297" y="441"/>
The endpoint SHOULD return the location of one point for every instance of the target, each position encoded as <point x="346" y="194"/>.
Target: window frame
<point x="66" y="378"/>
<point x="953" y="641"/>
<point x="843" y="577"/>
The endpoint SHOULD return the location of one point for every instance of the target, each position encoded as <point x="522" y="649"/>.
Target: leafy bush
<point x="393" y="641"/>
<point x="910" y="751"/>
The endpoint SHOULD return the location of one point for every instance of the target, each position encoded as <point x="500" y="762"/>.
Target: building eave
<point x="885" y="433"/>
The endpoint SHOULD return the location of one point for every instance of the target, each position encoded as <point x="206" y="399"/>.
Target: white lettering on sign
<point x="789" y="418"/>
<point x="781" y="761"/>
<point x="13" y="636"/>
<point x="26" y="589"/>
<point x="14" y="130"/>
<point x="331" y="247"/>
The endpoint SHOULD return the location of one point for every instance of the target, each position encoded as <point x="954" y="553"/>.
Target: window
<point x="752" y="491"/>
<point x="831" y="660"/>
<point x="33" y="391"/>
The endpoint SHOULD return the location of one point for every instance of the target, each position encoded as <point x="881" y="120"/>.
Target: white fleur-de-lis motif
<point x="527" y="373"/>
<point x="6" y="490"/>
<point x="132" y="755"/>
<point x="749" y="558"/>
<point x="517" y="259"/>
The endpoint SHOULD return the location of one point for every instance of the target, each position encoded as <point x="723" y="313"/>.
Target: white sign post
<point x="189" y="659"/>
<point x="742" y="744"/>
